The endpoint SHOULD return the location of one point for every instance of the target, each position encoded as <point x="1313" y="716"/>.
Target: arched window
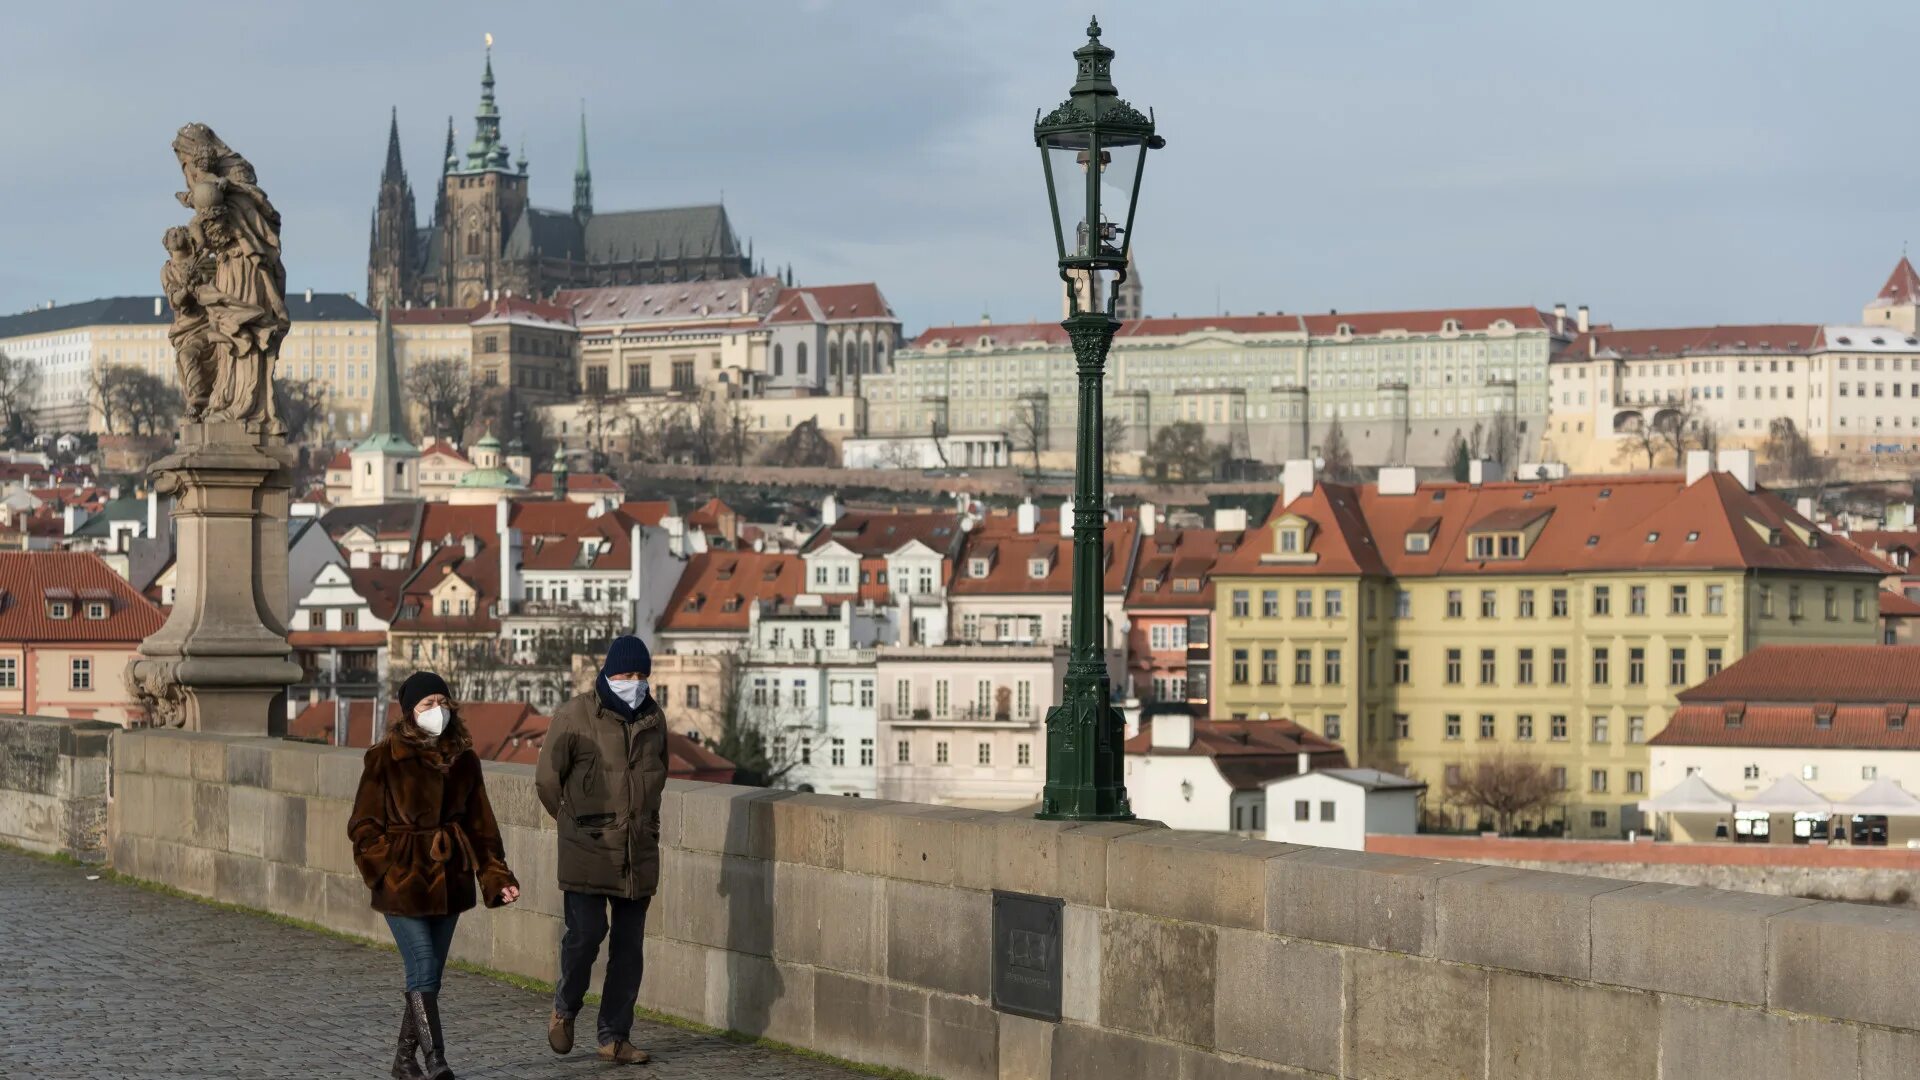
<point x="880" y="356"/>
<point x="866" y="356"/>
<point x="473" y="243"/>
<point x="833" y="358"/>
<point x="779" y="359"/>
<point x="800" y="359"/>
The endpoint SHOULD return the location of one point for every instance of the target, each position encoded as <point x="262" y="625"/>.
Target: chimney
<point x="158" y="303"/>
<point x="1593" y="347"/>
<point x="469" y="547"/>
<point x="1699" y="464"/>
<point x="1296" y="480"/>
<point x="634" y="553"/>
<point x="1399" y="480"/>
<point x="1581" y="319"/>
<point x="1066" y="518"/>
<point x="309" y="296"/>
<point x="1485" y="471"/>
<point x="676" y="527"/>
<point x="1739" y="465"/>
<point x="829" y="511"/>
<point x="113" y="491"/>
<point x="1149" y="519"/>
<point x="75" y="517"/>
<point x="1172" y="731"/>
<point x="153" y="514"/>
<point x="1303" y="764"/>
<point x="1027" y="517"/>
<point x="360" y="560"/>
<point x="512" y="590"/>
<point x="1802" y="506"/>
<point x="1559" y="319"/>
<point x="1230" y="519"/>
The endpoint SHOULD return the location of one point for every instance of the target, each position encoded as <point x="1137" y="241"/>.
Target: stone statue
<point x="227" y="285"/>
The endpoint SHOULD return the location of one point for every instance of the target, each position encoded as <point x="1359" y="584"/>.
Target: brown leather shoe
<point x="621" y="1052"/>
<point x="560" y="1034"/>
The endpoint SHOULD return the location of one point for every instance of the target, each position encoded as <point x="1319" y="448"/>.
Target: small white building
<point x="1211" y="774"/>
<point x="1337" y="808"/>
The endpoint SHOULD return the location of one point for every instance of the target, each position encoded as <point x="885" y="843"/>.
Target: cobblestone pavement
<point x="102" y="980"/>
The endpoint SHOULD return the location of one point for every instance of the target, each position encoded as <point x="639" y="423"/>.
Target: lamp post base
<point x="1084" y="736"/>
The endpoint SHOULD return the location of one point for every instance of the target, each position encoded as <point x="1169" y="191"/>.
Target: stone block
<point x="866" y="835"/>
<point x="171" y="808"/>
<point x="339" y="774"/>
<point x="1888" y="1055"/>
<point x="1354" y="898"/>
<point x="670" y="800"/>
<point x="1278" y="1000"/>
<point x="810" y="829"/>
<point x="1414" y="1019"/>
<point x="1703" y="943"/>
<point x="1026" y="1048"/>
<point x="1848" y="961"/>
<point x="869" y="1022"/>
<point x="963" y="1039"/>
<point x="295" y="768"/>
<point x="1524" y="920"/>
<point x="473" y="941"/>
<point x="1208" y="878"/>
<point x="758" y="997"/>
<point x="171" y="753"/>
<point x="121" y="852"/>
<point x="728" y="819"/>
<point x="326" y="844"/>
<point x="1544" y="1029"/>
<point x="1705" y="1041"/>
<point x="129" y="752"/>
<point x="829" y="919"/>
<point x="132" y="805"/>
<point x="240" y="879"/>
<point x="247" y="820"/>
<point x="284" y="838"/>
<point x="1080" y="964"/>
<point x="209" y="816"/>
<point x="210" y="760"/>
<point x="921" y="842"/>
<point x="526" y="942"/>
<point x="515" y="799"/>
<point x="349" y="906"/>
<point x="534" y="857"/>
<point x="1084" y="855"/>
<point x="676" y="980"/>
<point x="1008" y="851"/>
<point x="723" y="902"/>
<point x="1196" y="1065"/>
<point x="1090" y="1053"/>
<point x="1169" y="984"/>
<point x="939" y="938"/>
<point x="297" y="892"/>
<point x="249" y="764"/>
<point x="184" y="866"/>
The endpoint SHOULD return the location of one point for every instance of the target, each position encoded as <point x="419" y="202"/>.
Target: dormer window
<point x="1150" y="585"/>
<point x="732" y="604"/>
<point x="1289" y="541"/>
<point x="977" y="568"/>
<point x="1036" y="568"/>
<point x="1419" y="543"/>
<point x="96" y="610"/>
<point x="58" y="609"/>
<point x="1186" y="584"/>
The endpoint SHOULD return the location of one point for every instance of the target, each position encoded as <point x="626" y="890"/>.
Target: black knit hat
<point x="419" y="686"/>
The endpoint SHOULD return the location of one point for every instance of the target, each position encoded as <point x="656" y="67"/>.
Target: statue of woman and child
<point x="227" y="285"/>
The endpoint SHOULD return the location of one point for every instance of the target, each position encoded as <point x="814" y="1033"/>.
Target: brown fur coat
<point x="422" y="828"/>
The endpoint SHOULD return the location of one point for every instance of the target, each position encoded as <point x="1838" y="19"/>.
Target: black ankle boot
<point x="404" y="1065"/>
<point x="425" y="1006"/>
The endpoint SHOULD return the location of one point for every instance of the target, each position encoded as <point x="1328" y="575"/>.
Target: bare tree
<point x="1789" y="451"/>
<point x="1684" y="429"/>
<point x="804" y="446"/>
<point x="1459" y="457"/>
<point x="444" y="387"/>
<point x="1640" y="439"/>
<point x="1502" y="786"/>
<point x="1180" y="451"/>
<point x="299" y="402"/>
<point x="1336" y="455"/>
<point x="1113" y="439"/>
<point x="133" y="400"/>
<point x="1030" y="428"/>
<point x="19" y="390"/>
<point x="757" y="733"/>
<point x="1503" y="439"/>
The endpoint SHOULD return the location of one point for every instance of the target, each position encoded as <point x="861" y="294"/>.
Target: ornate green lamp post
<point x="1092" y="147"/>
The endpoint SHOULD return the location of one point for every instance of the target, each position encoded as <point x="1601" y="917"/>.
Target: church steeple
<point x="450" y="160"/>
<point x="487" y="151"/>
<point x="582" y="175"/>
<point x="388" y="423"/>
<point x="394" y="170"/>
<point x="385" y="464"/>
<point x="392" y="241"/>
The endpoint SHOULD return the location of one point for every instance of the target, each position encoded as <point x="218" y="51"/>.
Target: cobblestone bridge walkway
<point x="108" y="981"/>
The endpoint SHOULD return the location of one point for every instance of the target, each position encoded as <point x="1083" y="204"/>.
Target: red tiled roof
<point x="1170" y="555"/>
<point x="380" y="587"/>
<point x="341" y="639"/>
<point x="576" y="482"/>
<point x="1806" y="726"/>
<point x="883" y="532"/>
<point x="1247" y="753"/>
<point x="340" y="461"/>
<point x="1652" y="521"/>
<point x="1886" y="539"/>
<point x="430" y="316"/>
<point x="1805" y="673"/>
<point x="1902" y="287"/>
<point x="1427" y="322"/>
<point x="446" y="448"/>
<point x="646" y="511"/>
<point x="999" y="534"/>
<point x="1897" y="605"/>
<point x="709" y="514"/>
<point x="28" y="580"/>
<point x="507" y="308"/>
<point x="1796" y="338"/>
<point x="717" y="587"/>
<point x="833" y="303"/>
<point x="689" y="760"/>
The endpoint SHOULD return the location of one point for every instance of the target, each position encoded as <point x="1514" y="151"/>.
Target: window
<point x="1602" y="730"/>
<point x="1487" y="667"/>
<point x="1523" y="670"/>
<point x="1869" y="772"/>
<point x="1597" y="781"/>
<point x="1335" y="604"/>
<point x="985" y="753"/>
<point x="1402" y="667"/>
<point x="80" y="673"/>
<point x="1859" y="604"/>
<point x="1559" y="778"/>
<point x="1751" y="772"/>
<point x="1330" y="726"/>
<point x="1240" y="603"/>
<point x="1453" y="667"/>
<point x="1326" y="810"/>
<point x="1677" y="604"/>
<point x="1597" y="819"/>
<point x="1453" y="603"/>
<point x="1766" y="601"/>
<point x="96" y="610"/>
<point x="1523" y="727"/>
<point x="1557" y="668"/>
<point x="1489" y="605"/>
<point x="1637" y="600"/>
<point x="1452" y="776"/>
<point x="1269" y="666"/>
<point x="1560" y="603"/>
<point x="837" y="755"/>
<point x="903" y="752"/>
<point x="1486" y="725"/>
<point x="1331" y="662"/>
<point x="9" y="673"/>
<point x="1636" y="729"/>
<point x="1483" y="546"/>
<point x="1240" y="667"/>
<point x="1677" y="667"/>
<point x="940" y="752"/>
<point x="1270" y="603"/>
<point x="1636" y="782"/>
<point x="1713" y="662"/>
<point x="1557" y="730"/>
<point x="940" y="697"/>
<point x="1302" y="810"/>
<point x="1716" y="599"/>
<point x="1403" y="604"/>
<point x="1832" y="600"/>
<point x="1602" y="668"/>
<point x="1402" y="726"/>
<point x="902" y="696"/>
<point x="1526" y="603"/>
<point x="1453" y="725"/>
<point x="1023" y="698"/>
<point x="1636" y="667"/>
<point x="1602" y="600"/>
<point x="1809" y="772"/>
<point x="1302" y="667"/>
<point x="1303" y="603"/>
<point x="1794" y="609"/>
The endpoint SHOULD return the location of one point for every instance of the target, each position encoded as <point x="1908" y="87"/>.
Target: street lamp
<point x="1092" y="148"/>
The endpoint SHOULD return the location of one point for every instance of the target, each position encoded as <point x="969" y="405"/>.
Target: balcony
<point x="794" y="656"/>
<point x="958" y="716"/>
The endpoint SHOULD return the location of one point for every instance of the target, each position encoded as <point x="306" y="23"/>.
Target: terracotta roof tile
<point x="1804" y="673"/>
<point x="1012" y="550"/>
<point x="717" y="587"/>
<point x="1902" y="287"/>
<point x="883" y="532"/>
<point x="29" y="579"/>
<point x="1247" y="753"/>
<point x="1805" y="726"/>
<point x="1897" y="605"/>
<point x="1172" y="556"/>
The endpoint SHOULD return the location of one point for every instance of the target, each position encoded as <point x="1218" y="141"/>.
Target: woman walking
<point x="422" y="830"/>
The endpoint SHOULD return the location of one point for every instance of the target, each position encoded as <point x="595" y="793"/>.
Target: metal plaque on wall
<point x="1026" y="954"/>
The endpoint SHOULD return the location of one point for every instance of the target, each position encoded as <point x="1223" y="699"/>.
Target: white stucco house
<point x="1337" y="808"/>
<point x="1211" y="774"/>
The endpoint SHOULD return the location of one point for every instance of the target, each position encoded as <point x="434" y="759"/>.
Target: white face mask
<point x="433" y="721"/>
<point x="631" y="691"/>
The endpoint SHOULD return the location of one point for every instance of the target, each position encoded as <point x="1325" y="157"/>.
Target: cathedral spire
<point x="451" y="159"/>
<point x="582" y="175"/>
<point x="395" y="171"/>
<point x="388" y="424"/>
<point x="487" y="152"/>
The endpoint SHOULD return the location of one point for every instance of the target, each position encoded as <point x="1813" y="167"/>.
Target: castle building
<point x="487" y="239"/>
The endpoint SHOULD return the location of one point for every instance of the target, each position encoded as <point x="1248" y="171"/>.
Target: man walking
<point x="602" y="770"/>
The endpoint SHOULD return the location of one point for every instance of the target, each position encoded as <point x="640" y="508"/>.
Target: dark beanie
<point x="627" y="653"/>
<point x="419" y="686"/>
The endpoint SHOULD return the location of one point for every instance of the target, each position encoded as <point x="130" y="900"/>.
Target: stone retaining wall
<point x="863" y="929"/>
<point x="53" y="785"/>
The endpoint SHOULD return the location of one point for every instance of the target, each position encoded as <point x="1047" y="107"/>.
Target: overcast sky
<point x="1665" y="163"/>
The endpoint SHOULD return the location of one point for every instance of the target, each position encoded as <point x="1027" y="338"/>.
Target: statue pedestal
<point x="221" y="662"/>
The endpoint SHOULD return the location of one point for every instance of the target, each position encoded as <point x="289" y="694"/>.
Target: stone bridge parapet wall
<point x="53" y="785"/>
<point x="863" y="929"/>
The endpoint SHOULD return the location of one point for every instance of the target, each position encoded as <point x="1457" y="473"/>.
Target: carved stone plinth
<point x="221" y="660"/>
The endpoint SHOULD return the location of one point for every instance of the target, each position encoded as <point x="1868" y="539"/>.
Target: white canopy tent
<point x="1881" y="798"/>
<point x="1690" y="796"/>
<point x="1787" y="795"/>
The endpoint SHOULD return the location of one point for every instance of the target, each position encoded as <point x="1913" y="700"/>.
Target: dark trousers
<point x="424" y="943"/>
<point x="587" y="924"/>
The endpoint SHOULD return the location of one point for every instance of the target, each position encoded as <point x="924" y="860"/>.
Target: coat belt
<point x="440" y="848"/>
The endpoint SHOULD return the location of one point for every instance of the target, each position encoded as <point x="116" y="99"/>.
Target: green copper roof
<point x="388" y="430"/>
<point x="489" y="478"/>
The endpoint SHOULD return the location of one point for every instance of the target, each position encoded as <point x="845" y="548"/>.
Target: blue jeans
<point x="424" y="943"/>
